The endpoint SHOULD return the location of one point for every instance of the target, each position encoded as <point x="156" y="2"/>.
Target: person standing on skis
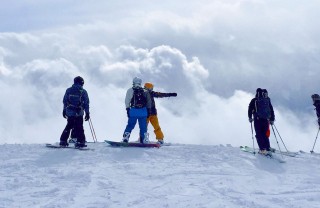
<point x="153" y="118"/>
<point x="263" y="115"/>
<point x="138" y="104"/>
<point x="75" y="103"/>
<point x="316" y="103"/>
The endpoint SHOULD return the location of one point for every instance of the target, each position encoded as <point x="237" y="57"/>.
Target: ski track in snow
<point x="171" y="176"/>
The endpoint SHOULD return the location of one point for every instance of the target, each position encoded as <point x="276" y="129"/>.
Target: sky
<point x="213" y="54"/>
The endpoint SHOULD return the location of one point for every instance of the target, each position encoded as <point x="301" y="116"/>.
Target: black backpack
<point x="139" y="99"/>
<point x="75" y="99"/>
<point x="263" y="109"/>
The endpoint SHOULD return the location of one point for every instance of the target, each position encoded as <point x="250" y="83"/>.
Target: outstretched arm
<point x="161" y="94"/>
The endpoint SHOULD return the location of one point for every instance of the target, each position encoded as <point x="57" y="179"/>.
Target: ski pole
<point x="277" y="141"/>
<point x="315" y="140"/>
<point x="93" y="133"/>
<point x="254" y="152"/>
<point x="281" y="138"/>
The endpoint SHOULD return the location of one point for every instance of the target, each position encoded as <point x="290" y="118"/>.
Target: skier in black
<point x="75" y="103"/>
<point x="263" y="115"/>
<point x="316" y="103"/>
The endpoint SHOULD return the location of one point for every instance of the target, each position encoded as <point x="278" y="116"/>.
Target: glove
<point x="64" y="114"/>
<point x="271" y="122"/>
<point x="148" y="112"/>
<point x="173" y="94"/>
<point x="250" y="120"/>
<point x="128" y="112"/>
<point x="87" y="117"/>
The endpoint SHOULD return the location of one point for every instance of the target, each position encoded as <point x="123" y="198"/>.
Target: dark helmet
<point x="315" y="97"/>
<point x="78" y="80"/>
<point x="264" y="93"/>
<point x="258" y="93"/>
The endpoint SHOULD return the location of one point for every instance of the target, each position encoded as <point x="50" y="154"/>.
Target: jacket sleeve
<point x="160" y="94"/>
<point x="128" y="98"/>
<point x="318" y="110"/>
<point x="272" y="118"/>
<point x="65" y="100"/>
<point x="251" y="108"/>
<point x="86" y="101"/>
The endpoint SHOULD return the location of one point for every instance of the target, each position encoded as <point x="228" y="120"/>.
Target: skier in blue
<point x="138" y="104"/>
<point x="75" y="103"/>
<point x="263" y="115"/>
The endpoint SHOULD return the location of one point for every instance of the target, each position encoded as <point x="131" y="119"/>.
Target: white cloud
<point x="212" y="53"/>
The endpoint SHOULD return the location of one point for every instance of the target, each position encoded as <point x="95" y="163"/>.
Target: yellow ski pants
<point x="153" y="119"/>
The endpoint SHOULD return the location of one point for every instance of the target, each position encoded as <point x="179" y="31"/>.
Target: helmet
<point x="315" y="97"/>
<point x="259" y="93"/>
<point x="264" y="93"/>
<point x="148" y="86"/>
<point x="136" y="81"/>
<point x="78" y="80"/>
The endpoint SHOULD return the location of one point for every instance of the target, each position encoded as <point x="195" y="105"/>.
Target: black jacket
<point x="317" y="105"/>
<point x="252" y="109"/>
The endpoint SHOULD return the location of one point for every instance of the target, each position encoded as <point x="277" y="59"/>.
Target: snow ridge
<point x="171" y="176"/>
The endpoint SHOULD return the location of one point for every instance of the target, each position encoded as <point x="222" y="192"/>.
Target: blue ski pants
<point x="142" y="125"/>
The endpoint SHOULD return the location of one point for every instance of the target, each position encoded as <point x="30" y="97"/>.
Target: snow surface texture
<point x="32" y="175"/>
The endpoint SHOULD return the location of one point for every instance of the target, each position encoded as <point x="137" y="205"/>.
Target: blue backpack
<point x="263" y="109"/>
<point x="75" y="99"/>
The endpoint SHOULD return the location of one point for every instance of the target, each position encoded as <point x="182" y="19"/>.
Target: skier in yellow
<point x="152" y="117"/>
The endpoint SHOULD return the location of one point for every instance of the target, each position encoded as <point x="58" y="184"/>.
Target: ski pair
<point x="56" y="146"/>
<point x="254" y="151"/>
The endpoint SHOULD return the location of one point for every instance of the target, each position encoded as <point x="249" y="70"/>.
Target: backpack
<point x="263" y="109"/>
<point x="75" y="99"/>
<point x="139" y="99"/>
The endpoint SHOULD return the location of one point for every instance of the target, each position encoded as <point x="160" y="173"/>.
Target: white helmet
<point x="136" y="82"/>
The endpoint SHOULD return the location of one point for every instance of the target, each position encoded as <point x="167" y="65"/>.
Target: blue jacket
<point x="76" y="92"/>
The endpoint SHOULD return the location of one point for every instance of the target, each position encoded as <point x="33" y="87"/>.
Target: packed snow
<point x="178" y="175"/>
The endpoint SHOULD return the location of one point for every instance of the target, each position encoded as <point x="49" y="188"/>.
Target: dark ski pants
<point x="76" y="124"/>
<point x="142" y="125"/>
<point x="261" y="127"/>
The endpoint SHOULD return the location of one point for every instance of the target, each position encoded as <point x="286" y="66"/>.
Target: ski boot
<point x="160" y="141"/>
<point x="144" y="139"/>
<point x="126" y="136"/>
<point x="63" y="144"/>
<point x="79" y="145"/>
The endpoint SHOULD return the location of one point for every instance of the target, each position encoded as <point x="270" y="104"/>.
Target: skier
<point x="316" y="103"/>
<point x="153" y="118"/>
<point x="75" y="102"/>
<point x="263" y="115"/>
<point x="138" y="104"/>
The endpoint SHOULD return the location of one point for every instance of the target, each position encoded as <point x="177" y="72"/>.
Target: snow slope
<point x="171" y="176"/>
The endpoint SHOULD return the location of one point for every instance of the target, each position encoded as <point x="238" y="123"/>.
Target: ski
<point x="56" y="146"/>
<point x="132" y="144"/>
<point x="289" y="154"/>
<point x="254" y="151"/>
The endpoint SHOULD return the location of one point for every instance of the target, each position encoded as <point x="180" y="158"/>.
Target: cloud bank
<point x="214" y="54"/>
